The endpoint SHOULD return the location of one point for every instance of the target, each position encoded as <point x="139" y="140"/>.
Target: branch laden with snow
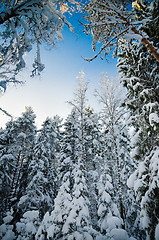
<point x="110" y="20"/>
<point x="26" y="22"/>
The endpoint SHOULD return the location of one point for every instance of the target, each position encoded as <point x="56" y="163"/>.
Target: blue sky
<point x="48" y="94"/>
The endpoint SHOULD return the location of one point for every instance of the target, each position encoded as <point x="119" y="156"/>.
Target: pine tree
<point x="20" y="140"/>
<point x="92" y="137"/>
<point x="139" y="74"/>
<point x="42" y="178"/>
<point x="6" y="165"/>
<point x="53" y="225"/>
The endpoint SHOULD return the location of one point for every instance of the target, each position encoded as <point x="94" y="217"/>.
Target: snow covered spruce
<point x="95" y="175"/>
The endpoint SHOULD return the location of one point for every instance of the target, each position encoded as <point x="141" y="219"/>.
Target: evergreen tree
<point x="70" y="141"/>
<point x="6" y="165"/>
<point x="20" y="141"/>
<point x="20" y="136"/>
<point x="53" y="226"/>
<point x="94" y="147"/>
<point x="77" y="225"/>
<point x="109" y="216"/>
<point x="27" y="227"/>
<point x="42" y="178"/>
<point x="139" y="74"/>
<point x="92" y="139"/>
<point x="79" y="104"/>
<point x="6" y="229"/>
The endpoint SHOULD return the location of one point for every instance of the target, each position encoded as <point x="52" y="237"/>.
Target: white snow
<point x="7" y="219"/>
<point x="119" y="234"/>
<point x="131" y="36"/>
<point x="20" y="227"/>
<point x="23" y="199"/>
<point x="144" y="219"/>
<point x="9" y="235"/>
<point x="30" y="228"/>
<point x="106" y="197"/>
<point x="31" y="215"/>
<point x="101" y="209"/>
<point x="3" y="229"/>
<point x="113" y="222"/>
<point x="137" y="184"/>
<point x="153" y="118"/>
<point x="131" y="180"/>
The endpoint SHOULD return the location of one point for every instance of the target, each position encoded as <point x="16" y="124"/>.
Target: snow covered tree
<point x="109" y="216"/>
<point x="53" y="226"/>
<point x="42" y="177"/>
<point x="38" y="199"/>
<point x="116" y="140"/>
<point x="6" y="229"/>
<point x="6" y="160"/>
<point x="47" y="149"/>
<point x="16" y="150"/>
<point x="70" y="217"/>
<point x="15" y="160"/>
<point x="139" y="74"/>
<point x="110" y="20"/>
<point x="89" y="146"/>
<point x="25" y="23"/>
<point x="28" y="225"/>
<point x="93" y="136"/>
<point x="23" y="132"/>
<point x="77" y="225"/>
<point x="79" y="104"/>
<point x="93" y="150"/>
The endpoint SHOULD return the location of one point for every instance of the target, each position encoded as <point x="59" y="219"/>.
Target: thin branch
<point x="103" y="47"/>
<point x="4" y="111"/>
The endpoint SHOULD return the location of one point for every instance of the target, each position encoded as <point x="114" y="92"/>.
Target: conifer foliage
<point x="94" y="176"/>
<point x="139" y="74"/>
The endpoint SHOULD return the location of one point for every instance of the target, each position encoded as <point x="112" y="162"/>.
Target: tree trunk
<point x="144" y="41"/>
<point x="122" y="209"/>
<point x="15" y="176"/>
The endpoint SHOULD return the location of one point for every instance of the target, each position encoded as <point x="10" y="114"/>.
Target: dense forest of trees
<point x="93" y="176"/>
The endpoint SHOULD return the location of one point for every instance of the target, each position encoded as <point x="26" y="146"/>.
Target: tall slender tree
<point x="139" y="74"/>
<point x="79" y="103"/>
<point x="116" y="146"/>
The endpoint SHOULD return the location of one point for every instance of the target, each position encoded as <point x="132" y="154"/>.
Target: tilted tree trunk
<point x="144" y="41"/>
